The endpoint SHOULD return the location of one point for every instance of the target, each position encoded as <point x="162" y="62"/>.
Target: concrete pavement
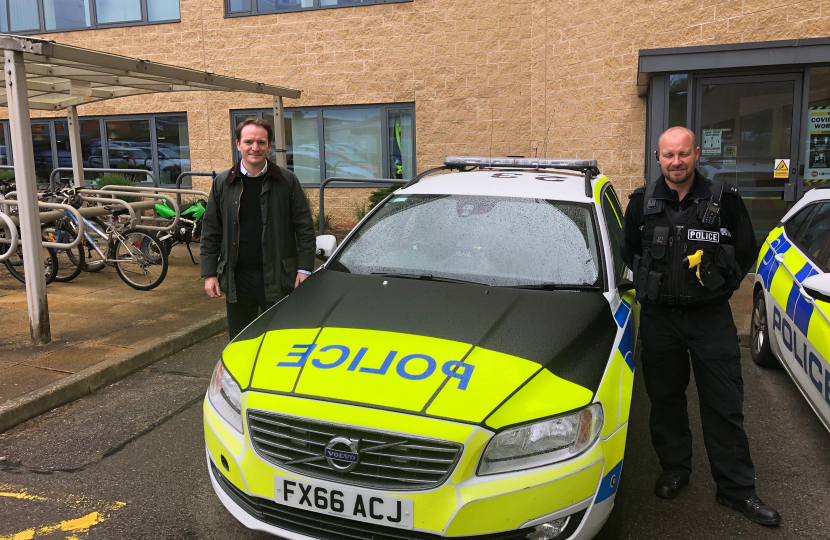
<point x="102" y="330"/>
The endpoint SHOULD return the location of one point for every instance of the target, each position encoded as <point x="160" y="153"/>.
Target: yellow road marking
<point x="74" y="527"/>
<point x="80" y="525"/>
<point x="22" y="494"/>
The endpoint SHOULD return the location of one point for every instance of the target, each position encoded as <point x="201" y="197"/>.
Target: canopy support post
<point x="26" y="183"/>
<point x="279" y="132"/>
<point x="75" y="146"/>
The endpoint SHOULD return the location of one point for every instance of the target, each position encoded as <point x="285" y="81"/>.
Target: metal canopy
<point x="41" y="74"/>
<point x="59" y="76"/>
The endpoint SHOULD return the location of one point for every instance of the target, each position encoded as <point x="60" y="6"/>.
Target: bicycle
<point x="17" y="269"/>
<point x="139" y="258"/>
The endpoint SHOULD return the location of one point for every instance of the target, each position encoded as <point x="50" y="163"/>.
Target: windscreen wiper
<point x="555" y="287"/>
<point x="425" y="277"/>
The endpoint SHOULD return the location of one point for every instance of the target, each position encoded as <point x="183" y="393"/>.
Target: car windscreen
<point x="496" y="241"/>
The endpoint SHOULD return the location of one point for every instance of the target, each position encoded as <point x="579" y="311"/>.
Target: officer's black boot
<point x="754" y="509"/>
<point x="671" y="483"/>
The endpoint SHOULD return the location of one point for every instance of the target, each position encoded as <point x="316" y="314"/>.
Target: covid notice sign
<point x="818" y="147"/>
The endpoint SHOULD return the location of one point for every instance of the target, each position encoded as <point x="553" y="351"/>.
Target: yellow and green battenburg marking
<point x="438" y="377"/>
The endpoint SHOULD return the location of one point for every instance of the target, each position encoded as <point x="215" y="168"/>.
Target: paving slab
<point x="74" y="359"/>
<point x="102" y="329"/>
<point x="19" y="379"/>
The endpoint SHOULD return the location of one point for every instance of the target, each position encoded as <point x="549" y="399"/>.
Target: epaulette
<point x="727" y="188"/>
<point x="638" y="191"/>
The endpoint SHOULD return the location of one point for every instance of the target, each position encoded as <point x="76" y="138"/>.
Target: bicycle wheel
<point x="136" y="269"/>
<point x="16" y="266"/>
<point x="148" y="250"/>
<point x="70" y="261"/>
<point x="93" y="261"/>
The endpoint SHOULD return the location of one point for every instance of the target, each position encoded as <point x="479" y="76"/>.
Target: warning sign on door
<point x="782" y="168"/>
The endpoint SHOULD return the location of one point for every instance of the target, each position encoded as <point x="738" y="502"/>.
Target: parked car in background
<point x="791" y="311"/>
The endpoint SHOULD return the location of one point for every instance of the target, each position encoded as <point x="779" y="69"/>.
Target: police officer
<point x="690" y="243"/>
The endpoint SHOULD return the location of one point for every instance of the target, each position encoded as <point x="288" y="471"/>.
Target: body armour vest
<point x="671" y="239"/>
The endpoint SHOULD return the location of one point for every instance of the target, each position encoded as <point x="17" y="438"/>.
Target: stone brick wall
<point x="547" y="78"/>
<point x="591" y="49"/>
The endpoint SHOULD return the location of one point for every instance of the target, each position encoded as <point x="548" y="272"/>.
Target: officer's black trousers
<point x="707" y="334"/>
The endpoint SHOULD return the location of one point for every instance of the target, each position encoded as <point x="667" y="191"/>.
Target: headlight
<point x="226" y="397"/>
<point x="543" y="443"/>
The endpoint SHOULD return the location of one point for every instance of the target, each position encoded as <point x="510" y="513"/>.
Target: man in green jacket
<point x="258" y="237"/>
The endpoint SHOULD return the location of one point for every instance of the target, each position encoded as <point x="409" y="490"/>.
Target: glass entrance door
<point x="746" y="126"/>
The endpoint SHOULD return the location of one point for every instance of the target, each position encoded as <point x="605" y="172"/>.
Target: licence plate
<point x="344" y="502"/>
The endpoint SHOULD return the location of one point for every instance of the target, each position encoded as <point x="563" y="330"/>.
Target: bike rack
<point x="118" y="171"/>
<point x="178" y="192"/>
<point x="322" y="215"/>
<point x="156" y="190"/>
<point x="12" y="228"/>
<point x="55" y="245"/>
<point x="191" y="173"/>
<point x="4" y="207"/>
<point x="134" y="221"/>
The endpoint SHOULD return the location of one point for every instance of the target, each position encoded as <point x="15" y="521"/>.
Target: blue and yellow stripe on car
<point x="782" y="280"/>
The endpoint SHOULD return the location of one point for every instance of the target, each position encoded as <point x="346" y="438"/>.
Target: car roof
<point x="550" y="184"/>
<point x="816" y="194"/>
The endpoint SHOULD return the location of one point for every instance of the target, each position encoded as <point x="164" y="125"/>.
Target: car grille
<point x="326" y="527"/>
<point x="412" y="464"/>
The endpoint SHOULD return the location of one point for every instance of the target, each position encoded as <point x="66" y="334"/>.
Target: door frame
<point x="694" y="108"/>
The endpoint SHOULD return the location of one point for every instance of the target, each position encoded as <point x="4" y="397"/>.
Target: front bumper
<point x="498" y="507"/>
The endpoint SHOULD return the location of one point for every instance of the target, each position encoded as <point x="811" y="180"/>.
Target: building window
<point x="40" y="16"/>
<point x="678" y="99"/>
<point x="372" y="141"/>
<point x="155" y="143"/>
<point x="255" y="7"/>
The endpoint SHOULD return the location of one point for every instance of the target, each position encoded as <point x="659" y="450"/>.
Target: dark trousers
<point x="250" y="299"/>
<point x="708" y="335"/>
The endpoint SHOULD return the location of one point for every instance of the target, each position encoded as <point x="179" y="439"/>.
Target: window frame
<point x="93" y="20"/>
<point x="614" y="202"/>
<point x="808" y="222"/>
<point x="253" y="12"/>
<point x="384" y="131"/>
<point x="187" y="181"/>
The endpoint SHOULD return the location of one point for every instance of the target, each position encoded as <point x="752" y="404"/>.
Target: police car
<point x="461" y="366"/>
<point x="790" y="321"/>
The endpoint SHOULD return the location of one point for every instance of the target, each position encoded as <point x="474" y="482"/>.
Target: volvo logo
<point x="342" y="454"/>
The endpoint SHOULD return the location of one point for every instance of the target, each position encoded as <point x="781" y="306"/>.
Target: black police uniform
<point x="680" y="317"/>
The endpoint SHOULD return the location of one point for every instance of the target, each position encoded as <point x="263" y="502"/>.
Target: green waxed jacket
<point x="288" y="239"/>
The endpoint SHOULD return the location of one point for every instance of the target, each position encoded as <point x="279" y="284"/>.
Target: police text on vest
<point x="704" y="236"/>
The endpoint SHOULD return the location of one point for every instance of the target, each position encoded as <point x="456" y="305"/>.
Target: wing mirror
<point x="625" y="285"/>
<point x="326" y="244"/>
<point x="818" y="287"/>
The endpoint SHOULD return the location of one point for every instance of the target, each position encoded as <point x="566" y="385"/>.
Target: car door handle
<point x="780" y="258"/>
<point x="804" y="295"/>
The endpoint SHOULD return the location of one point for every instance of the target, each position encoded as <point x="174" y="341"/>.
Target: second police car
<point x="461" y="366"/>
<point x="790" y="321"/>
